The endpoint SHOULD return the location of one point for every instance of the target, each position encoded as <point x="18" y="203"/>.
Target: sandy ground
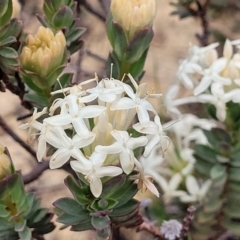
<point x="169" y="45"/>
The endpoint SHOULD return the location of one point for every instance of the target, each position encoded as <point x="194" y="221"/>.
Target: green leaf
<point x="82" y="226"/>
<point x="7" y="41"/>
<point x="69" y="206"/>
<point x="206" y="153"/>
<point x="213" y="205"/>
<point x="38" y="98"/>
<point x="100" y="223"/>
<point x="112" y="63"/>
<point x="39" y="215"/>
<point x="218" y="138"/>
<point x="65" y="80"/>
<point x="74" y="35"/>
<point x="63" y="18"/>
<point x="231" y="226"/>
<point x="136" y="68"/>
<point x="72" y="220"/>
<point x="218" y="171"/>
<point x="117" y="37"/>
<point x="125" y="209"/>
<point x="8" y="52"/>
<point x="234" y="174"/>
<point x="76" y="191"/>
<point x="138" y="45"/>
<point x="7" y="13"/>
<point x="26" y="234"/>
<point x="112" y="185"/>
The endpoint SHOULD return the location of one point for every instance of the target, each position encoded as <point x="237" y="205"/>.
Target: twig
<point x="150" y="228"/>
<point x="105" y="5"/>
<point x="226" y="235"/>
<point x="36" y="172"/>
<point x="17" y="90"/>
<point x="187" y="222"/>
<point x="202" y="14"/>
<point x="10" y="132"/>
<point x="89" y="7"/>
<point x="78" y="64"/>
<point x="97" y="57"/>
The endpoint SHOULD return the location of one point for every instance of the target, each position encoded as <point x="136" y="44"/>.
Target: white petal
<point x="127" y="161"/>
<point x="142" y="113"/>
<point x="59" y="120"/>
<point x="123" y="103"/>
<point x="59" y="158"/>
<point x="111" y="149"/>
<point x="109" y="171"/>
<point x="203" y="85"/>
<point x="155" y="140"/>
<point x="192" y="185"/>
<point x="96" y="186"/>
<point x="41" y="148"/>
<point x="205" y="187"/>
<point x="175" y="181"/>
<point x="137" y="142"/>
<point x="92" y="111"/>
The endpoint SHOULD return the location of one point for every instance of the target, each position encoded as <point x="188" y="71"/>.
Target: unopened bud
<point x="5" y="163"/>
<point x="44" y="52"/>
<point x="133" y="15"/>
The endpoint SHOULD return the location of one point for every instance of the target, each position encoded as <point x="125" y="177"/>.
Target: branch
<point x="18" y="90"/>
<point x="10" y="132"/>
<point x="89" y="7"/>
<point x="202" y="14"/>
<point x="105" y="5"/>
<point x="36" y="172"/>
<point x="97" y="57"/>
<point x="187" y="222"/>
<point x="151" y="228"/>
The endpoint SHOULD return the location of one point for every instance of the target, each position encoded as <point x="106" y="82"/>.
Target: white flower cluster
<point x="213" y="79"/>
<point x="177" y="167"/>
<point x="95" y="136"/>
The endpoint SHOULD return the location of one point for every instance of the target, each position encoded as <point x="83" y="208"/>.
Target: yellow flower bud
<point x="133" y="15"/>
<point x="5" y="163"/>
<point x="43" y="52"/>
<point x="16" y="8"/>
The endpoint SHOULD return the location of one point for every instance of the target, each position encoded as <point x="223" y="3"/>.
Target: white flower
<point x="197" y="193"/>
<point x="156" y="134"/>
<point x="197" y="54"/>
<point x="185" y="73"/>
<point x="212" y="74"/>
<point x="93" y="170"/>
<point x="219" y="99"/>
<point x="75" y="113"/>
<point x="136" y="101"/>
<point x="67" y="147"/>
<point x="33" y="126"/>
<point x="170" y="188"/>
<point x="171" y="229"/>
<point x="144" y="181"/>
<point x="124" y="145"/>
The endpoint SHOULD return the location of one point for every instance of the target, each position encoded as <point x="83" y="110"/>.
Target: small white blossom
<point x="171" y="229"/>
<point x="94" y="170"/>
<point x="196" y="192"/>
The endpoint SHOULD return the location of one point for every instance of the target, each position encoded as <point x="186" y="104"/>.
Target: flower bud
<point x="5" y="163"/>
<point x="16" y="8"/>
<point x="133" y="15"/>
<point x="43" y="52"/>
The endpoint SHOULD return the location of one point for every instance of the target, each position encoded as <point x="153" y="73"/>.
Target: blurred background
<point x="170" y="44"/>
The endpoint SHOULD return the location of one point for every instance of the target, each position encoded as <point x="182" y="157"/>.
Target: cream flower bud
<point x="16" y="8"/>
<point x="43" y="52"/>
<point x="133" y="15"/>
<point x="5" y="163"/>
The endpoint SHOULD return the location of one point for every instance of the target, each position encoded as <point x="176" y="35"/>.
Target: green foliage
<point x="20" y="212"/>
<point x="128" y="56"/>
<point x="219" y="161"/>
<point x="114" y="206"/>
<point x="61" y="15"/>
